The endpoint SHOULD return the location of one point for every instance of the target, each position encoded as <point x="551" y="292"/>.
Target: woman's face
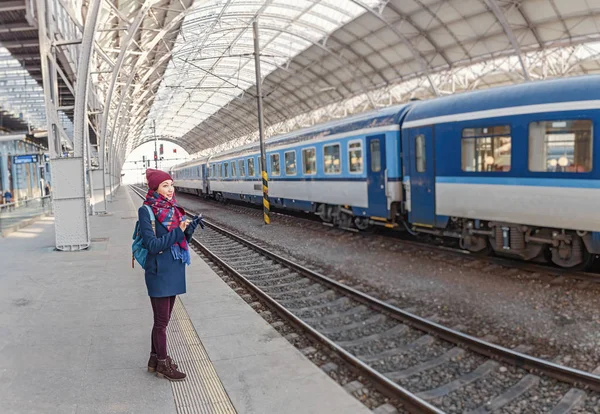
<point x="166" y="189"/>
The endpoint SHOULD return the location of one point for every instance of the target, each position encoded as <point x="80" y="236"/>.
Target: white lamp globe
<point x="563" y="161"/>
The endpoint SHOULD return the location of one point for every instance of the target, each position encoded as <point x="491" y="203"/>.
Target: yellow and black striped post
<point x="266" y="205"/>
<point x="263" y="153"/>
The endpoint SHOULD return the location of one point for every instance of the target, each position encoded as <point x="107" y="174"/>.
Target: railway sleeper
<point x="340" y="302"/>
<point x="377" y="319"/>
<point x="432" y="363"/>
<point x="273" y="275"/>
<point x="306" y="292"/>
<point x="481" y="371"/>
<point x="277" y="281"/>
<point x="527" y="382"/>
<point x="247" y="258"/>
<point x="422" y="341"/>
<point x="335" y="316"/>
<point x="397" y="330"/>
<point x="313" y="298"/>
<point x="569" y="401"/>
<point x="293" y="285"/>
<point x="259" y="265"/>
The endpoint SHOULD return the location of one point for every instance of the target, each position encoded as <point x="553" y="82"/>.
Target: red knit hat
<point x="155" y="177"/>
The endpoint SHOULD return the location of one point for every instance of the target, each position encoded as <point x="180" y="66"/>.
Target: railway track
<point x="444" y="253"/>
<point x="430" y="368"/>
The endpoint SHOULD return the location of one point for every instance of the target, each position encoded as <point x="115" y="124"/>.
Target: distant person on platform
<point x="168" y="254"/>
<point x="8" y="197"/>
<point x="47" y="189"/>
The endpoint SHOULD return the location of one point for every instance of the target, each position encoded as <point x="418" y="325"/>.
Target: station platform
<point x="75" y="335"/>
<point x="23" y="213"/>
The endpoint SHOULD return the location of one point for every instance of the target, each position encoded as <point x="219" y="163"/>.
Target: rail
<point x="390" y="388"/>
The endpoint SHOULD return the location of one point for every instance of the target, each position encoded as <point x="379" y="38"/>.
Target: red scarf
<point x="167" y="212"/>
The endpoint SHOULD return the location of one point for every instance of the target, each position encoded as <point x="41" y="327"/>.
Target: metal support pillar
<point x="155" y="146"/>
<point x="68" y="173"/>
<point x="99" y="180"/>
<point x="88" y="153"/>
<point x="263" y="159"/>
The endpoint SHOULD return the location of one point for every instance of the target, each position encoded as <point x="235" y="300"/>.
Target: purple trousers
<point x="162" y="308"/>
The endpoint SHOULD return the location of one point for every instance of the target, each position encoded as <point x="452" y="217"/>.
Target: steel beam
<point x="495" y="8"/>
<point x="14" y="5"/>
<point x="15" y="27"/>
<point x="20" y="43"/>
<point x="425" y="67"/>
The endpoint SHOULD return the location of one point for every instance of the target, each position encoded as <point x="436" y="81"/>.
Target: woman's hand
<point x="183" y="225"/>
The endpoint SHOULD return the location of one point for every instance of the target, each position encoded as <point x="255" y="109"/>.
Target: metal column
<point x="68" y="173"/>
<point x="263" y="159"/>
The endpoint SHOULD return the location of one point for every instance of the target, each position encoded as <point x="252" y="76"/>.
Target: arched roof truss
<point x="386" y="44"/>
<point x="184" y="69"/>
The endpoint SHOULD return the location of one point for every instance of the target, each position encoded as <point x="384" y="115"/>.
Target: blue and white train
<point x="510" y="170"/>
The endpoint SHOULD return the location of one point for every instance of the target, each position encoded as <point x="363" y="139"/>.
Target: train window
<point x="560" y="146"/>
<point x="233" y="169"/>
<point x="375" y="155"/>
<point x="486" y="149"/>
<point x="250" y="167"/>
<point x="420" y="160"/>
<point x="309" y="161"/>
<point x="290" y="163"/>
<point x="355" y="157"/>
<point x="241" y="168"/>
<point x="225" y="169"/>
<point x="331" y="159"/>
<point x="275" y="167"/>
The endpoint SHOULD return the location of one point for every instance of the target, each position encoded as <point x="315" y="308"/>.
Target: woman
<point x="168" y="254"/>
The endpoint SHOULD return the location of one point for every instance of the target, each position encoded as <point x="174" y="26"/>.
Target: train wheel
<point x="343" y="220"/>
<point x="572" y="256"/>
<point x="477" y="245"/>
<point x="324" y="212"/>
<point x="362" y="223"/>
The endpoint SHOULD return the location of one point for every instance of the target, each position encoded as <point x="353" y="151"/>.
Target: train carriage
<point x="511" y="169"/>
<point x="191" y="177"/>
<point x="346" y="171"/>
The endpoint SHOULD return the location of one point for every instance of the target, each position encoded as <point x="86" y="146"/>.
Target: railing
<point x="11" y="214"/>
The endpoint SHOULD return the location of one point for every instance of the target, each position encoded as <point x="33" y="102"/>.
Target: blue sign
<point x="25" y="159"/>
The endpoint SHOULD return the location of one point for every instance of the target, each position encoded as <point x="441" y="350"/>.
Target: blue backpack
<point x="138" y="251"/>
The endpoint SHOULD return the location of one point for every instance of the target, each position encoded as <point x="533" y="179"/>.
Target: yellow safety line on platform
<point x="201" y="391"/>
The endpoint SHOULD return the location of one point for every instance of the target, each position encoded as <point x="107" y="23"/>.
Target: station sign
<point x="25" y="159"/>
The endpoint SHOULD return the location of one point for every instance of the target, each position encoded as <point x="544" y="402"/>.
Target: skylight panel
<point x="215" y="49"/>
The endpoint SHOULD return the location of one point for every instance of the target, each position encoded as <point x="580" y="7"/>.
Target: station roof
<point x="314" y="53"/>
<point x="188" y="70"/>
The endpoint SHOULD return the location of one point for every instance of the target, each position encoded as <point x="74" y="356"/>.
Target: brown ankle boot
<point x="153" y="361"/>
<point x="165" y="370"/>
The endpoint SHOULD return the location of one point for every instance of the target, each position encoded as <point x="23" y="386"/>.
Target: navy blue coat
<point x="165" y="276"/>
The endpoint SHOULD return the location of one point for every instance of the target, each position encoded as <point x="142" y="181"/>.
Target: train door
<point x="204" y="179"/>
<point x="422" y="177"/>
<point x="376" y="170"/>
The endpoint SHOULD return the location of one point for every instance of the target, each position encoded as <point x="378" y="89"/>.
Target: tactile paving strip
<point x="201" y="392"/>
